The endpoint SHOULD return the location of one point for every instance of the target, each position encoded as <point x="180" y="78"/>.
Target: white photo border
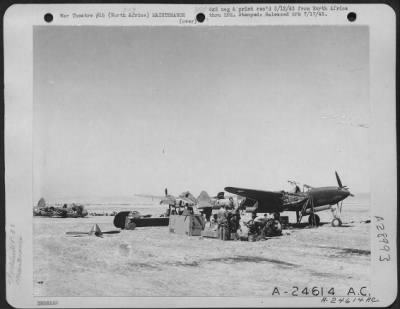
<point x="18" y="71"/>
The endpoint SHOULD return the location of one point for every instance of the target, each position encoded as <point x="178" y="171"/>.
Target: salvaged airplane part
<point x="65" y="211"/>
<point x="129" y="220"/>
<point x="94" y="231"/>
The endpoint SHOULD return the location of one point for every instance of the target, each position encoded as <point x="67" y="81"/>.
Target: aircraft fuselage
<point x="327" y="195"/>
<point x="323" y="198"/>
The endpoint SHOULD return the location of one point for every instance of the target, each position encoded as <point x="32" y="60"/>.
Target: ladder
<point x="310" y="202"/>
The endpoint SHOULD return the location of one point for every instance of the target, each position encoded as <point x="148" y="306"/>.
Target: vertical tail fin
<point x="204" y="200"/>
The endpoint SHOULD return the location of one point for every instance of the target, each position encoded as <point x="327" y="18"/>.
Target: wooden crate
<point x="190" y="225"/>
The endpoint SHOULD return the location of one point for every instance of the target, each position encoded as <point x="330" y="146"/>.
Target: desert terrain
<point x="150" y="261"/>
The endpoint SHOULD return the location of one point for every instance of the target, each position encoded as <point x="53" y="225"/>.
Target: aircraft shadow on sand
<point x="306" y="224"/>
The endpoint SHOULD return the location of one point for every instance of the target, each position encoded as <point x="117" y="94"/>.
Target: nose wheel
<point x="336" y="222"/>
<point x="336" y="213"/>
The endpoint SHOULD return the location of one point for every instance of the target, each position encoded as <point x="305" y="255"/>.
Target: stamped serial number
<point x="319" y="291"/>
<point x="383" y="240"/>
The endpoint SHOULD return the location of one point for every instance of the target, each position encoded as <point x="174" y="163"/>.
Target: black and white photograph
<point x="203" y="160"/>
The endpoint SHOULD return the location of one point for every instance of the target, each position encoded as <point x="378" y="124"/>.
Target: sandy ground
<point x="150" y="261"/>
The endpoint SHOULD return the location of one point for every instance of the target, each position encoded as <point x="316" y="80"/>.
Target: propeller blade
<point x="112" y="232"/>
<point x="76" y="233"/>
<point x="338" y="180"/>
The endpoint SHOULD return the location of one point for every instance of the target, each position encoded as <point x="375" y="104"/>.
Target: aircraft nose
<point x="345" y="193"/>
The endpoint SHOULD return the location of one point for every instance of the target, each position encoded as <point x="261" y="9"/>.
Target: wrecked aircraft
<point x="65" y="211"/>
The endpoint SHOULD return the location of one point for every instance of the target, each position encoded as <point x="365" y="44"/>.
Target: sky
<point x="126" y="110"/>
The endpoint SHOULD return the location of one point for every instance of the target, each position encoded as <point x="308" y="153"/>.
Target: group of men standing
<point x="228" y="221"/>
<point x="228" y="225"/>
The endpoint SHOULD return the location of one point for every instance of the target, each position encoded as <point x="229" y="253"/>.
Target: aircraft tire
<point x="336" y="222"/>
<point x="311" y="219"/>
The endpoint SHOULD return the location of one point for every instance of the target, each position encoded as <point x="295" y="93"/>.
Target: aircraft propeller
<point x="340" y="207"/>
<point x="94" y="231"/>
<point x="341" y="185"/>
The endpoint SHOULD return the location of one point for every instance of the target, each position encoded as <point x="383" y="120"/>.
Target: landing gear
<point x="336" y="212"/>
<point x="313" y="220"/>
<point x="336" y="222"/>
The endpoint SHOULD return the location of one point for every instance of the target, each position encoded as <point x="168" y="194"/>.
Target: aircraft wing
<point x="169" y="199"/>
<point x="268" y="200"/>
<point x="159" y="197"/>
<point x="258" y="195"/>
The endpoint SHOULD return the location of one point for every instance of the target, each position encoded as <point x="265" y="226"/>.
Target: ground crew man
<point x="207" y="212"/>
<point x="223" y="223"/>
<point x="252" y="227"/>
<point x="273" y="227"/>
<point x="235" y="222"/>
<point x="229" y="226"/>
